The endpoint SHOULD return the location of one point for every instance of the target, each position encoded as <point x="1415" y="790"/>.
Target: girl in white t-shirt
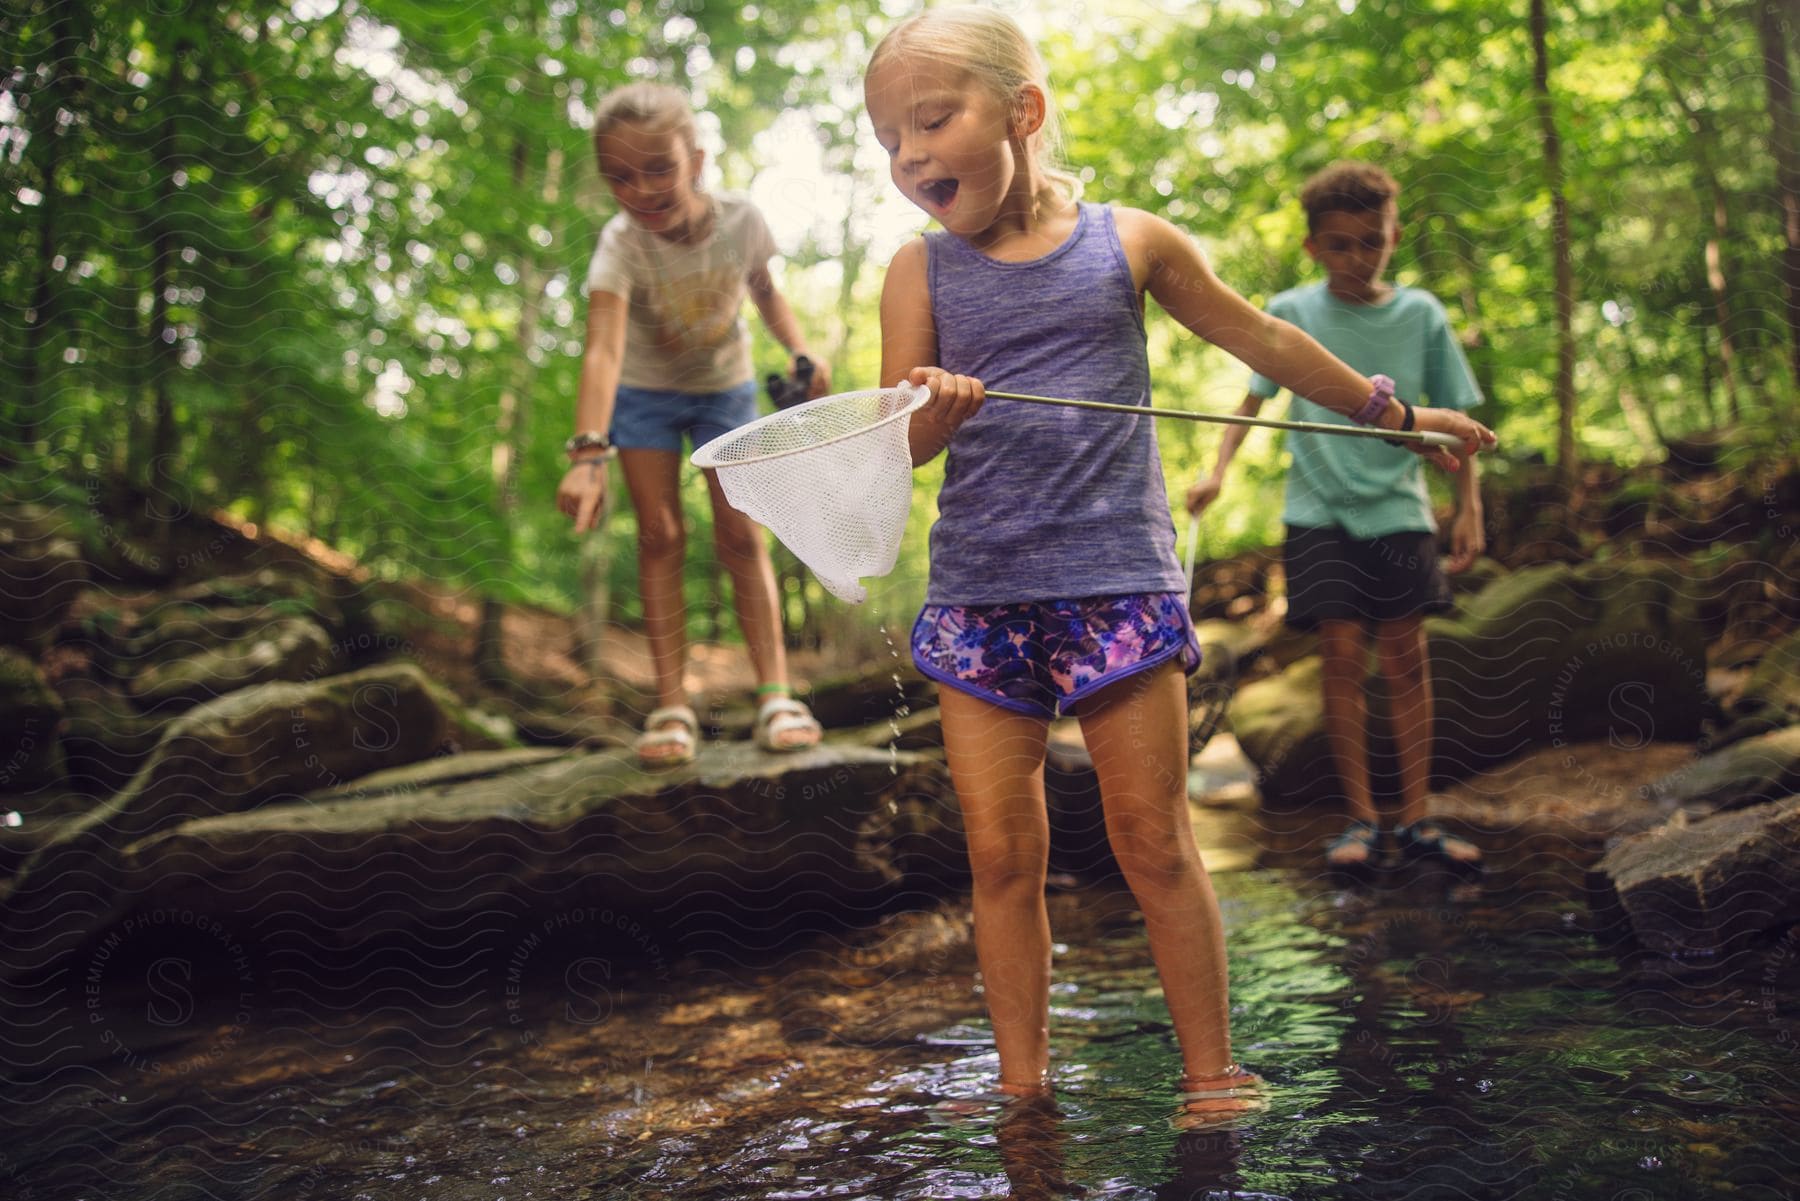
<point x="668" y="357"/>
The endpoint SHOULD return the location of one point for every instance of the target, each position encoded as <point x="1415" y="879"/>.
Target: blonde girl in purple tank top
<point x="960" y="100"/>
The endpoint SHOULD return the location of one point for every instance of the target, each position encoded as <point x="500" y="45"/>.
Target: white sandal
<point x="663" y="744"/>
<point x="1215" y="1102"/>
<point x="1232" y="1084"/>
<point x="784" y="724"/>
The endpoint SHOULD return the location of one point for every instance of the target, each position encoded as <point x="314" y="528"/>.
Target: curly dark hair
<point x="1347" y="187"/>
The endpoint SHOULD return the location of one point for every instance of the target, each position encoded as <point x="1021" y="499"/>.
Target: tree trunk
<point x="1640" y="417"/>
<point x="1715" y="282"/>
<point x="855" y="253"/>
<point x="165" y="351"/>
<point x="515" y="398"/>
<point x="1705" y="156"/>
<point x="40" y="317"/>
<point x="514" y="407"/>
<point x="1567" y="460"/>
<point x="1770" y="19"/>
<point x="1433" y="260"/>
<point x="1706" y="375"/>
<point x="250" y="475"/>
<point x="490" y="642"/>
<point x="1473" y="332"/>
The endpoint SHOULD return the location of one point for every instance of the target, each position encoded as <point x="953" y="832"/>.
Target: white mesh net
<point x="831" y="478"/>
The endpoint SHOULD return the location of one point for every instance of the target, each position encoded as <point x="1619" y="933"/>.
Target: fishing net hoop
<point x="831" y="478"/>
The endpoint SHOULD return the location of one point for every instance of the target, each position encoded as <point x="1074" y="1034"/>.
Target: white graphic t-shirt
<point x="684" y="304"/>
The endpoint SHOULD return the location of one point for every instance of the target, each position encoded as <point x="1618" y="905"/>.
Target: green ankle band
<point x="772" y="690"/>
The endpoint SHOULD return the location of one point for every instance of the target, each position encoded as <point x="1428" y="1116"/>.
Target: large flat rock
<point x="736" y="838"/>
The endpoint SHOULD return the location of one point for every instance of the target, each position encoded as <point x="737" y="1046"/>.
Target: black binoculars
<point x="789" y="390"/>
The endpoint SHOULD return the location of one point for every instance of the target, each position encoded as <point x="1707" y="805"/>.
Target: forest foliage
<point x="317" y="263"/>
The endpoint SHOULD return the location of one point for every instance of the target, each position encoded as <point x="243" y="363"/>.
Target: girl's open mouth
<point x="939" y="192"/>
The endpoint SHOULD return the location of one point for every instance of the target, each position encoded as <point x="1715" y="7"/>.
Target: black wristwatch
<point x="587" y="440"/>
<point x="1406" y="424"/>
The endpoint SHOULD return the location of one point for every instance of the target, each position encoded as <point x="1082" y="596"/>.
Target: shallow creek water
<point x="1420" y="1039"/>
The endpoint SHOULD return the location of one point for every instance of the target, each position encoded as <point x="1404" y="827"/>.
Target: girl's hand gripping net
<point x="831" y="478"/>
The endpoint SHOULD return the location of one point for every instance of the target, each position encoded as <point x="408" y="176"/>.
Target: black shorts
<point x="1334" y="577"/>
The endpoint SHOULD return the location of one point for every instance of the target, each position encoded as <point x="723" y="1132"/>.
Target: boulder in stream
<point x="1698" y="888"/>
<point x="1550" y="655"/>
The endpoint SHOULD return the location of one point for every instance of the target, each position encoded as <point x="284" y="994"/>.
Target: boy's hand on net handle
<point x="1475" y="436"/>
<point x="1202" y="494"/>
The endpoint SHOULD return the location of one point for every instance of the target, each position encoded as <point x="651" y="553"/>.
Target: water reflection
<point x="1417" y="1040"/>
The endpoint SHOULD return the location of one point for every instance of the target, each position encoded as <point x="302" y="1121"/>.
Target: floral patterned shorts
<point x="1038" y="657"/>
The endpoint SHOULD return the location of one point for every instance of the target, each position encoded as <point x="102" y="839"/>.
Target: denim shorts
<point x="1040" y="657"/>
<point x="647" y="419"/>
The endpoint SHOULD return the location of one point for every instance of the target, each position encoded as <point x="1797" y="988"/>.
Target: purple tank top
<point x="1043" y="502"/>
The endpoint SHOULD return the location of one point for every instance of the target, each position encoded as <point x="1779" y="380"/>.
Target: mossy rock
<point x="43" y="567"/>
<point x="286" y="648"/>
<point x="105" y="738"/>
<point x="248" y="748"/>
<point x="30" y="716"/>
<point x="1774" y="687"/>
<point x="857" y="700"/>
<point x="734" y="843"/>
<point x="1749" y="772"/>
<point x="1550" y="655"/>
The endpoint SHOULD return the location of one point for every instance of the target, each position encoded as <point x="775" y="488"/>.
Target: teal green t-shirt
<point x="1363" y="485"/>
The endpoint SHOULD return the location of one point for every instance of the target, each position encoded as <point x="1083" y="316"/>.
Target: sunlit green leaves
<point x="368" y="198"/>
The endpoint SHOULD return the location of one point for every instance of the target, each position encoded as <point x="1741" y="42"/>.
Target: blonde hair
<point x="994" y="52"/>
<point x="656" y="106"/>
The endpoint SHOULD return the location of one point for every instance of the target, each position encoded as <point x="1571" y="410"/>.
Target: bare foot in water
<point x="1003" y="1097"/>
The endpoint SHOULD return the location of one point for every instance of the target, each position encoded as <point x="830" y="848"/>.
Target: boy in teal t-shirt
<point x="1361" y="553"/>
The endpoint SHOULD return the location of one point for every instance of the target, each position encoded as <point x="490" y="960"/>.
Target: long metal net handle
<point x="832" y="477"/>
<point x="1428" y="437"/>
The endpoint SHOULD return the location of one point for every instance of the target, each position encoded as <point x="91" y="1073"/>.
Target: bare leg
<point x="653" y="477"/>
<point x="1136" y="733"/>
<point x="996" y="761"/>
<point x="1344" y="652"/>
<point x="1400" y="646"/>
<point x="1400" y="649"/>
<point x="745" y="554"/>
